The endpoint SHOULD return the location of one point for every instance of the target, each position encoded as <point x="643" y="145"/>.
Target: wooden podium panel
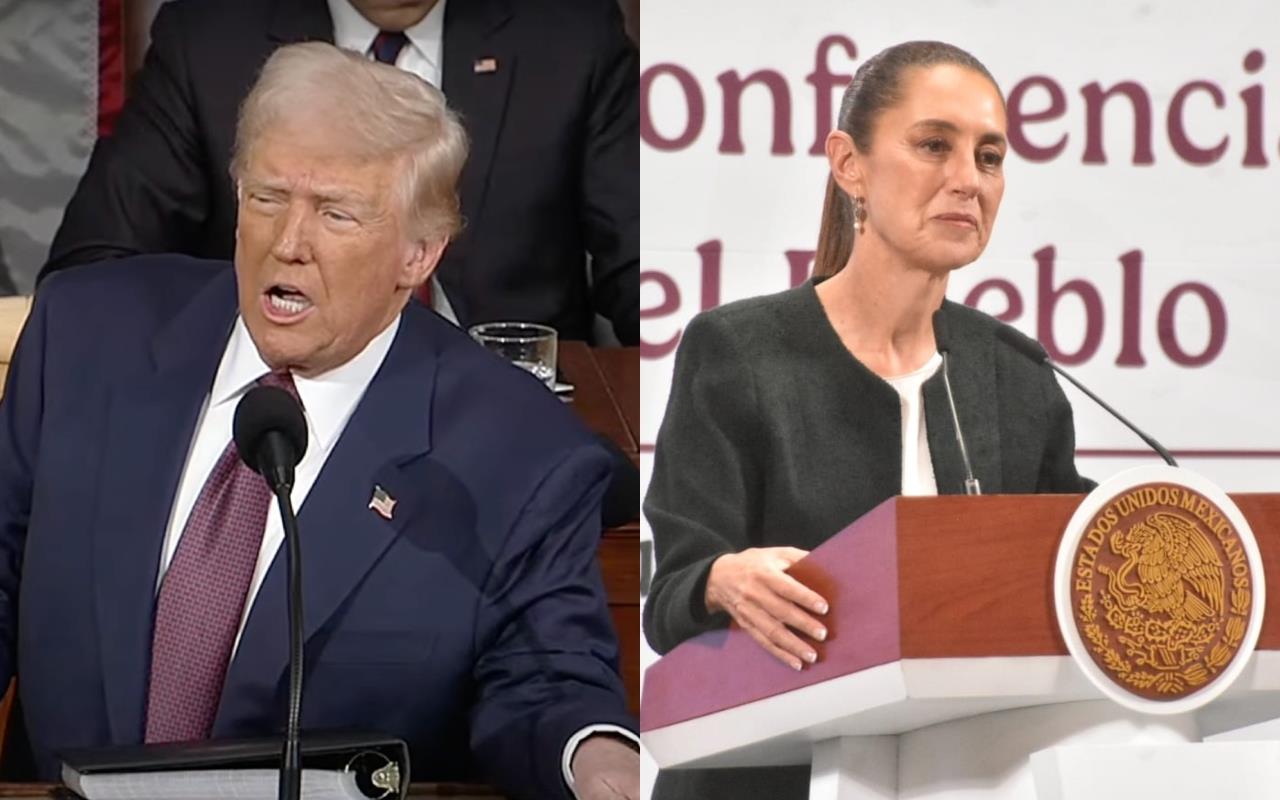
<point x="992" y="593"/>
<point x="941" y="610"/>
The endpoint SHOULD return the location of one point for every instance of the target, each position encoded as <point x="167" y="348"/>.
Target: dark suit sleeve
<point x="611" y="181"/>
<point x="705" y="474"/>
<point x="547" y="654"/>
<point x="21" y="410"/>
<point x="146" y="188"/>
<point x="1058" y="469"/>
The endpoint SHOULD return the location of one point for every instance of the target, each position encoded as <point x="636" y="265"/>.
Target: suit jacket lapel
<point x="150" y="422"/>
<point x="473" y="31"/>
<point x="342" y="537"/>
<point x="972" y="368"/>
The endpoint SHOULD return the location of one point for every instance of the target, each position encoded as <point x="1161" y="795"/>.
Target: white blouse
<point x="917" y="464"/>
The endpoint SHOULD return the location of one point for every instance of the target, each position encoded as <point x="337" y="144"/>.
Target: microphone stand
<point x="1035" y="352"/>
<point x="276" y="466"/>
<point x="291" y="769"/>
<point x="270" y="432"/>
<point x="971" y="484"/>
<point x="1152" y="443"/>
<point x="942" y="340"/>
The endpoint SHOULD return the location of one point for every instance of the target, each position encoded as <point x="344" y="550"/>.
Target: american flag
<point x="382" y="502"/>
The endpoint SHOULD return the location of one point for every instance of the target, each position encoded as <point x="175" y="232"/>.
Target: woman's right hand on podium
<point x="754" y="588"/>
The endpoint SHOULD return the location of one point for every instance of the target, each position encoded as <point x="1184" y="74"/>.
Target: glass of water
<point x="530" y="347"/>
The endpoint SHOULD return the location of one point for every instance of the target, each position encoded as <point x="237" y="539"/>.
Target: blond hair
<point x="382" y="111"/>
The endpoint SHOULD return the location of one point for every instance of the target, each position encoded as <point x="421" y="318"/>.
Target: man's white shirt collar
<point x="353" y="32"/>
<point x="327" y="399"/>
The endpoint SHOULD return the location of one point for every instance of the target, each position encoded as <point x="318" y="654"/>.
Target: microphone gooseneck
<point x="270" y="433"/>
<point x="1034" y="351"/>
<point x="943" y="342"/>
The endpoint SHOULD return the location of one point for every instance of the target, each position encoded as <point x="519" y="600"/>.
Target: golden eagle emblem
<point x="1161" y="591"/>
<point x="1179" y="571"/>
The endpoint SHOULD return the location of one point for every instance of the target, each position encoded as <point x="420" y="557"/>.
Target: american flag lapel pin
<point x="382" y="502"/>
<point x="483" y="66"/>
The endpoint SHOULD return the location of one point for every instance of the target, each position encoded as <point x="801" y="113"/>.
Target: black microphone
<point x="271" y="437"/>
<point x="1035" y="351"/>
<point x="942" y="340"/>
<point x="270" y="434"/>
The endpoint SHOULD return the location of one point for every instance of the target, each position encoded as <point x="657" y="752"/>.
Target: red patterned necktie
<point x="202" y="596"/>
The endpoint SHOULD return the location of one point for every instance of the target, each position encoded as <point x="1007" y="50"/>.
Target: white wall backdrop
<point x="1139" y="236"/>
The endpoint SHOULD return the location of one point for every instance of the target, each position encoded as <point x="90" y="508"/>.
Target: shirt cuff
<point x="578" y="738"/>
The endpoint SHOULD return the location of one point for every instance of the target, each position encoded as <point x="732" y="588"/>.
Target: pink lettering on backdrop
<point x="670" y="305"/>
<point x="1178" y="138"/>
<point x="1252" y="97"/>
<point x="695" y="108"/>
<point x="1217" y="325"/>
<point x="800" y="263"/>
<point x="1018" y="118"/>
<point x="824" y="82"/>
<point x="1131" y="311"/>
<point x="1095" y="97"/>
<point x="1102" y="107"/>
<point x="1012" y="298"/>
<point x="1048" y="297"/>
<point x="732" y="87"/>
<point x="1036" y="100"/>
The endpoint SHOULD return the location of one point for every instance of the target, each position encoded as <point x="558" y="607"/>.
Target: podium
<point x="944" y="674"/>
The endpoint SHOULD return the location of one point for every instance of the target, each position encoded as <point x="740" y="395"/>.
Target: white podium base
<point x="1221" y="770"/>
<point x="986" y="757"/>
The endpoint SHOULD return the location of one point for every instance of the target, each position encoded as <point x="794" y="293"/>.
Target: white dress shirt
<point x="328" y="402"/>
<point x="426" y="39"/>
<point x="422" y="56"/>
<point x="917" y="462"/>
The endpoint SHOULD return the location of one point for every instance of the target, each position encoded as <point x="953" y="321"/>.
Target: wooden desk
<point x="607" y="398"/>
<point x="620" y="367"/>
<point x="606" y="389"/>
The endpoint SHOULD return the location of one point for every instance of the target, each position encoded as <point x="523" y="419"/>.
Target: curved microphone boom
<point x="270" y="433"/>
<point x="1035" y="351"/>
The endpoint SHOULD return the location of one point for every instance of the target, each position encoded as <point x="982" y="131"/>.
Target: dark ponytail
<point x="835" y="236"/>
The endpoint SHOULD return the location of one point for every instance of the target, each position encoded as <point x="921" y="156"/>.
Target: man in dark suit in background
<point x="449" y="505"/>
<point x="548" y="92"/>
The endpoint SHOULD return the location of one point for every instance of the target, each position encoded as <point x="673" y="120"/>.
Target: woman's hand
<point x="754" y="589"/>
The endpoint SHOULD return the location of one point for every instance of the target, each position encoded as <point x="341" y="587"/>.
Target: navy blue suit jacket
<point x="473" y="624"/>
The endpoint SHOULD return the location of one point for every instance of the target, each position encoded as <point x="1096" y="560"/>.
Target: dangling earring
<point x="859" y="216"/>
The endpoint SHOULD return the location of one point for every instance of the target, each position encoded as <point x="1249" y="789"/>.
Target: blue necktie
<point x="387" y="46"/>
